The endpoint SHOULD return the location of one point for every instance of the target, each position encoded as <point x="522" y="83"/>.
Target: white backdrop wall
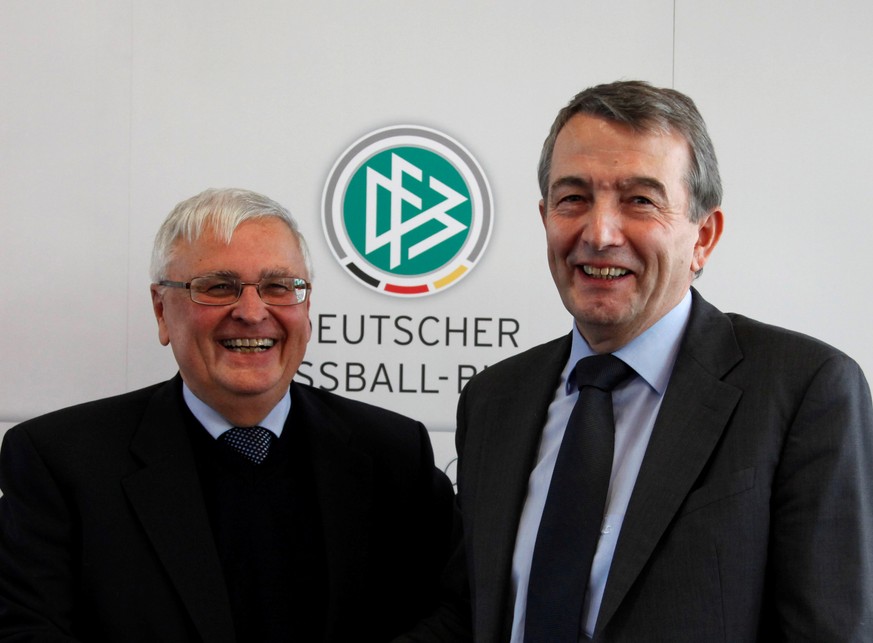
<point x="111" y="112"/>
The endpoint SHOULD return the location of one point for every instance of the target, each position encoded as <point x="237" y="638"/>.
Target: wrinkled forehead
<point x="613" y="142"/>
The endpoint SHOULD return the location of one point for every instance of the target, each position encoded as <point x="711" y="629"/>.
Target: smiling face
<point x="621" y="247"/>
<point x="215" y="345"/>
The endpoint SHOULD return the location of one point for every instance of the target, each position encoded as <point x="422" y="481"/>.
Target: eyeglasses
<point x="223" y="291"/>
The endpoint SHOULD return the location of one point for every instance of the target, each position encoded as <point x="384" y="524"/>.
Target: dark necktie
<point x="570" y="526"/>
<point x="253" y="442"/>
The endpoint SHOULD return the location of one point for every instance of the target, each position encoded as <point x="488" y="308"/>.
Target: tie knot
<point x="602" y="371"/>
<point x="252" y="442"/>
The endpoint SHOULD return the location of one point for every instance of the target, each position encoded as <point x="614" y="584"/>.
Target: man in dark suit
<point x="738" y="498"/>
<point x="227" y="504"/>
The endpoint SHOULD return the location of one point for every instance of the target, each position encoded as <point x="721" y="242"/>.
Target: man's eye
<point x="641" y="200"/>
<point x="277" y="287"/>
<point x="218" y="287"/>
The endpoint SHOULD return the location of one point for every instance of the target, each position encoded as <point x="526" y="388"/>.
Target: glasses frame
<point x="242" y="284"/>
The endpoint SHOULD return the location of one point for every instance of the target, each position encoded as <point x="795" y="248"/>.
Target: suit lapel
<point x="343" y="479"/>
<point x="166" y="496"/>
<point x="696" y="408"/>
<point x="515" y="426"/>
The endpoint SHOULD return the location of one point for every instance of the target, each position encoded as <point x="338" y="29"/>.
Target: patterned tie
<point x="252" y="442"/>
<point x="573" y="513"/>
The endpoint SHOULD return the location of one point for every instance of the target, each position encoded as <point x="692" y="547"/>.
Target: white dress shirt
<point x="635" y="407"/>
<point x="216" y="424"/>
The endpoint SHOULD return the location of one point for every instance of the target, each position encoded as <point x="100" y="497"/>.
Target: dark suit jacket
<point x="752" y="517"/>
<point x="104" y="535"/>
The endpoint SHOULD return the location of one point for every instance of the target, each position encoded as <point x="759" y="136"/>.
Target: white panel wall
<point x="111" y="112"/>
<point x="64" y="197"/>
<point x="787" y="91"/>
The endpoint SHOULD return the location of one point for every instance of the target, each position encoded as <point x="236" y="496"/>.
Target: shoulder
<point x="713" y="331"/>
<point x="354" y="422"/>
<point x="319" y="400"/>
<point x="767" y="338"/>
<point x="751" y="352"/>
<point x="93" y="421"/>
<point x="542" y="359"/>
<point x="794" y="360"/>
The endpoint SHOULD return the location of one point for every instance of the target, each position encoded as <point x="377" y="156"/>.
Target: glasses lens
<point x="215" y="290"/>
<point x="283" y="291"/>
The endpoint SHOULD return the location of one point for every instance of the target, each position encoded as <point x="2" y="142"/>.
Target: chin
<point x="251" y="386"/>
<point x="599" y="315"/>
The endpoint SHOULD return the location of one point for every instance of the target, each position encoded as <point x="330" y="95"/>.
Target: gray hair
<point x="223" y="210"/>
<point x="647" y="109"/>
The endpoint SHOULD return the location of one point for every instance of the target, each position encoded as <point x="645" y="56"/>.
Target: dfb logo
<point x="407" y="211"/>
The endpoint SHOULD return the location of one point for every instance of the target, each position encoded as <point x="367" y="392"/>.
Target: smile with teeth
<point x="246" y="345"/>
<point x="604" y="273"/>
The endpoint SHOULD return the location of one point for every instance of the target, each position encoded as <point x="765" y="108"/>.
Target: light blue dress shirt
<point x="215" y="423"/>
<point x="635" y="407"/>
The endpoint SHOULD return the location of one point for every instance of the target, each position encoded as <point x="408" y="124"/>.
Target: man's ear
<point x="158" y="307"/>
<point x="709" y="230"/>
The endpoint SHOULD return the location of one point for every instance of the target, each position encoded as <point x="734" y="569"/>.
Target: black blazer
<point x="752" y="517"/>
<point x="104" y="535"/>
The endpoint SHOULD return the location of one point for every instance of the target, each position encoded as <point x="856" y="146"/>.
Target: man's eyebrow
<point x="224" y="274"/>
<point x="265" y="273"/>
<point x="276" y="272"/>
<point x="570" y="182"/>
<point x="643" y="181"/>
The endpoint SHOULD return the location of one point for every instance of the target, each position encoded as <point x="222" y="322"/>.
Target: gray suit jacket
<point x="752" y="517"/>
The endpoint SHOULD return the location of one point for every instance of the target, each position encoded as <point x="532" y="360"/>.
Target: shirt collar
<point x="215" y="424"/>
<point x="651" y="355"/>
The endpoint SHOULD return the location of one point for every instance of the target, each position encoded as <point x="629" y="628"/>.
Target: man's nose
<point x="602" y="226"/>
<point x="250" y="307"/>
